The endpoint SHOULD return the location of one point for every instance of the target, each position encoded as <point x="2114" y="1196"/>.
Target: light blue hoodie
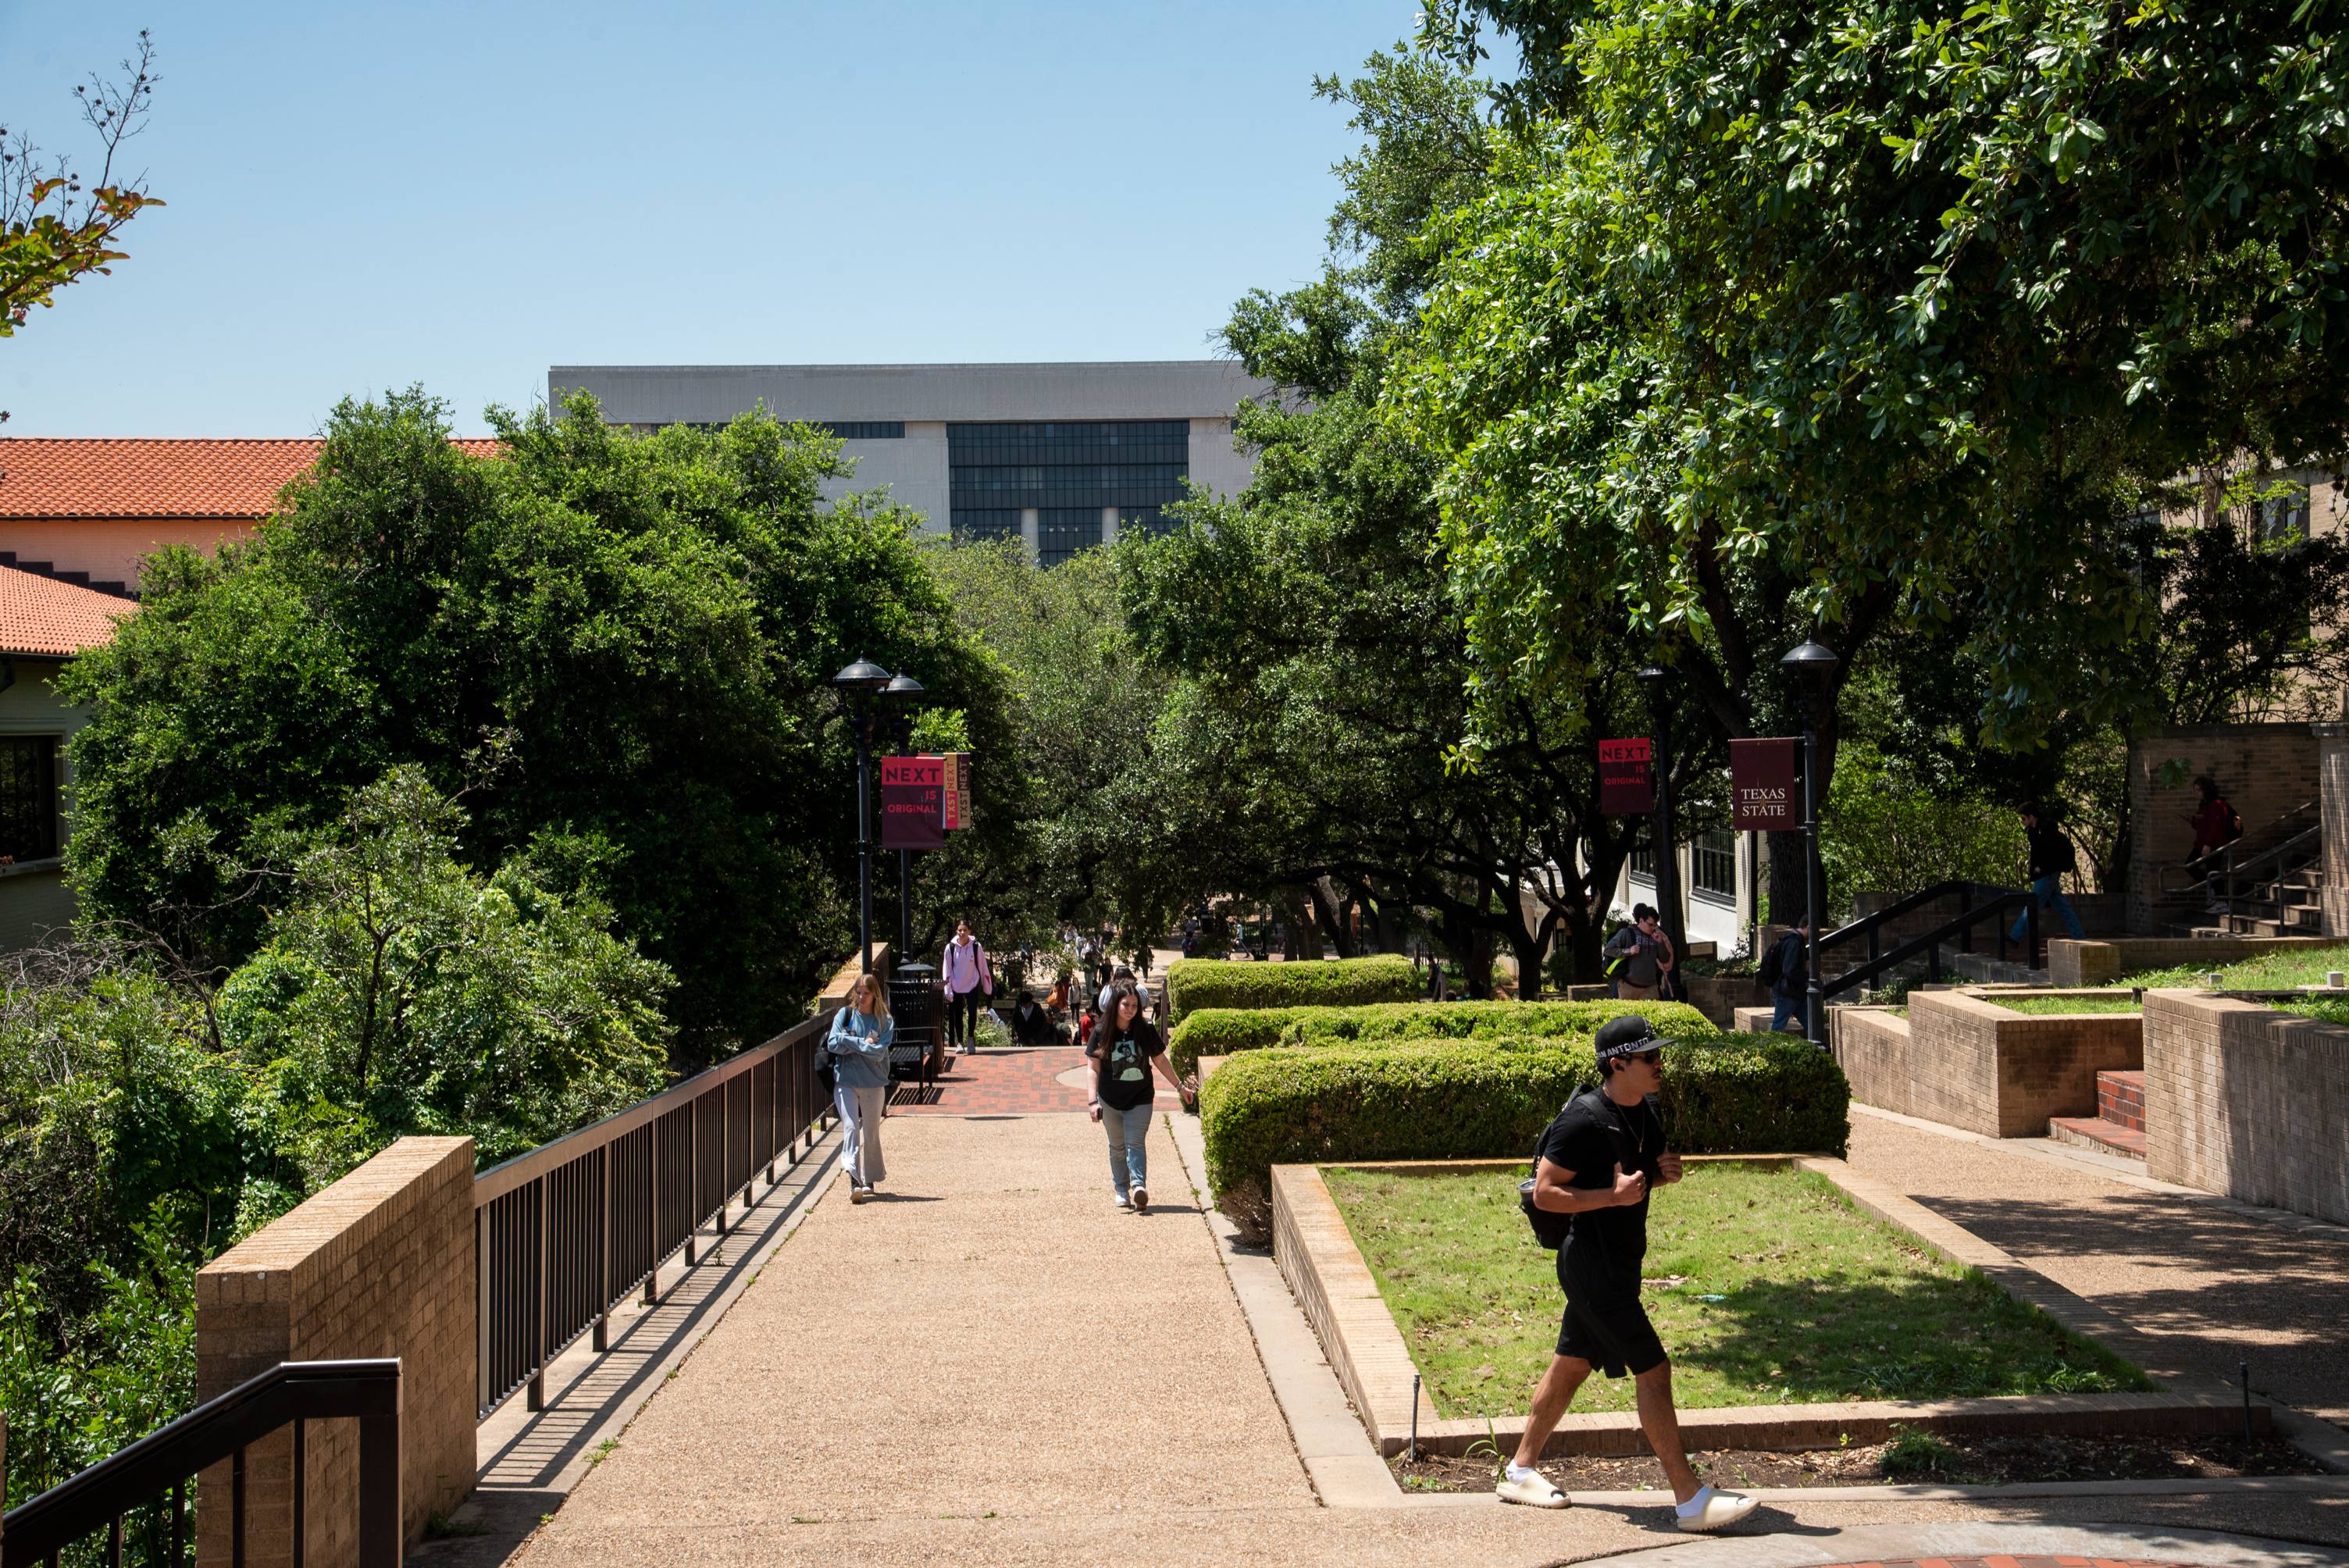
<point x="859" y="1043"/>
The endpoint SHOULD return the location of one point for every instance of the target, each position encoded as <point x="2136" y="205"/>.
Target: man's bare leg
<point x="1552" y="1394"/>
<point x="1662" y="1423"/>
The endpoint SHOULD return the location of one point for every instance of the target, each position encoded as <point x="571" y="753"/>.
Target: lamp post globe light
<point x="1813" y="665"/>
<point x="1666" y="842"/>
<point x="903" y="690"/>
<point x="858" y="684"/>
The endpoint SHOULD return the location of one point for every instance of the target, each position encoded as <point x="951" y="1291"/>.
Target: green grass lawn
<point x="2268" y="972"/>
<point x="2026" y="1004"/>
<point x="1765" y="1284"/>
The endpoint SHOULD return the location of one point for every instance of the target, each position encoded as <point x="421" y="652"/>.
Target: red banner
<point x="912" y="803"/>
<point x="1764" y="788"/>
<point x="1627" y="778"/>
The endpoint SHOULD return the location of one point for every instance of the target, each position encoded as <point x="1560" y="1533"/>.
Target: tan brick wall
<point x="1968" y="1063"/>
<point x="2263" y="770"/>
<point x="2071" y="965"/>
<point x="2246" y="1101"/>
<point x="2332" y="783"/>
<point x="380" y="1264"/>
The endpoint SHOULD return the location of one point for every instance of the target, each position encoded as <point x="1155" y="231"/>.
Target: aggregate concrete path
<point x="2212" y="1284"/>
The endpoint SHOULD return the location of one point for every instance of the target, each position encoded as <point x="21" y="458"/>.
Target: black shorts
<point x="1604" y="1323"/>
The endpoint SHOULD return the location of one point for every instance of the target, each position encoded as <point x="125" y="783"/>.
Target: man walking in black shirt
<point x="1599" y="1162"/>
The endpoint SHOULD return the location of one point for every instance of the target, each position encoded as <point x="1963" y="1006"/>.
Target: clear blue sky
<point x="363" y="196"/>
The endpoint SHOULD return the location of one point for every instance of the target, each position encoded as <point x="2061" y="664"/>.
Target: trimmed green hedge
<point x="1221" y="1032"/>
<point x="1195" y="982"/>
<point x="1445" y="1100"/>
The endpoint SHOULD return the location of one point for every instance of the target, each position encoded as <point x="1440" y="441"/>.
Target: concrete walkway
<point x="2210" y="1281"/>
<point x="995" y="1364"/>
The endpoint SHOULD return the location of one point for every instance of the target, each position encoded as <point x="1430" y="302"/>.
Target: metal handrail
<point x="1930" y="943"/>
<point x="1872" y="925"/>
<point x="2225" y="853"/>
<point x="160" y="1464"/>
<point x="566" y="1232"/>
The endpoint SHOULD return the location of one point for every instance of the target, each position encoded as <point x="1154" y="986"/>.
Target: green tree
<point x="647" y="626"/>
<point x="1863" y="317"/>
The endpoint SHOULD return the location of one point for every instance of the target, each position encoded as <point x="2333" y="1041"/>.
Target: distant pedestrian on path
<point x="1787" y="970"/>
<point x="969" y="979"/>
<point x="1598" y="1162"/>
<point x="1124" y="1048"/>
<point x="2051" y="855"/>
<point x="1647" y="955"/>
<point x="859" y="1043"/>
<point x="1122" y="975"/>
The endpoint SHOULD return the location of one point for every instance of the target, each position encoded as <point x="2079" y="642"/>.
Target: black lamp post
<point x="903" y="690"/>
<point x="1667" y="845"/>
<point x="858" y="684"/>
<point x="1812" y="665"/>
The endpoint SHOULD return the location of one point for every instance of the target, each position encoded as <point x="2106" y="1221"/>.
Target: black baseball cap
<point x="1626" y="1036"/>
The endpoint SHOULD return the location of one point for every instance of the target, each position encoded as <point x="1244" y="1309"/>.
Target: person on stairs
<point x="859" y="1043"/>
<point x="1125" y="1046"/>
<point x="1597" y="1161"/>
<point x="969" y="980"/>
<point x="2051" y="855"/>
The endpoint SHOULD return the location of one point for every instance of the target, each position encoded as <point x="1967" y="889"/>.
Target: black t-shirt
<point x="1122" y="1068"/>
<point x="1590" y="1137"/>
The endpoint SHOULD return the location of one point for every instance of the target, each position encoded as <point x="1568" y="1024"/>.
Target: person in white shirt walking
<point x="969" y="980"/>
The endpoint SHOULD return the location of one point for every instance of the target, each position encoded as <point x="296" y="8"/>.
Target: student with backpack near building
<point x="2215" y="824"/>
<point x="1587" y="1197"/>
<point x="2051" y="855"/>
<point x="1639" y="956"/>
<point x="969" y="979"/>
<point x="1787" y="970"/>
<point x="1124" y="1048"/>
<point x="858" y="1047"/>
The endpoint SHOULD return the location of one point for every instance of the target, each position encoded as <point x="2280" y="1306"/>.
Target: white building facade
<point x="1065" y="455"/>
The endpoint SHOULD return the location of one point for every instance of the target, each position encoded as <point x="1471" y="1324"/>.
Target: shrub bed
<point x="1222" y="1032"/>
<point x="1454" y="1101"/>
<point x="1195" y="982"/>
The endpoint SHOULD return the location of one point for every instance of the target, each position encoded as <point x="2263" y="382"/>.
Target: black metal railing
<point x="152" y="1476"/>
<point x="1978" y="903"/>
<point x="2226" y="878"/>
<point x="1870" y="928"/>
<point x="567" y="1232"/>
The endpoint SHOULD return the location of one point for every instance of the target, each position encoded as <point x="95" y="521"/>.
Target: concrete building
<point x="1063" y="455"/>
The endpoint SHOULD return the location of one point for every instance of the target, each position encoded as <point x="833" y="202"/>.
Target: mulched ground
<point x="1972" y="1461"/>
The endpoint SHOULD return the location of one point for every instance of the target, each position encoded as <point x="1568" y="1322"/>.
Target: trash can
<point x="918" y="1006"/>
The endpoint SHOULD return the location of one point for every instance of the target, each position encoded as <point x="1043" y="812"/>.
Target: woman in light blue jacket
<point x="859" y="1043"/>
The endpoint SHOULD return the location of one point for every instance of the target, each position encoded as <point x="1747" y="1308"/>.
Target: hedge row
<point x="1441" y="1100"/>
<point x="1221" y="1032"/>
<point x="1195" y="982"/>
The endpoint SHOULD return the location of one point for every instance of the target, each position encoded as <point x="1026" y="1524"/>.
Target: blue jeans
<point x="1129" y="1162"/>
<point x="2051" y="897"/>
<point x="1788" y="1009"/>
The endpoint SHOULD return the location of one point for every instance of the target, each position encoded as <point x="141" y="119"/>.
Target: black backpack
<point x="1773" y="965"/>
<point x="1549" y="1228"/>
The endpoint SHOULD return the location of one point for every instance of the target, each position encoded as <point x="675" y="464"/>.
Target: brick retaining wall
<point x="380" y="1264"/>
<point x="2245" y="1101"/>
<point x="2332" y="775"/>
<point x="2083" y="964"/>
<point x="1967" y="1063"/>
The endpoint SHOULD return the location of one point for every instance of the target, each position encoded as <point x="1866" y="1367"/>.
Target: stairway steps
<point x="2120" y="1096"/>
<point x="2095" y="1132"/>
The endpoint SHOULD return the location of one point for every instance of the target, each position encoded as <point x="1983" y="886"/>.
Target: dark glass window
<point x="1061" y="531"/>
<point x="864" y="429"/>
<point x="29" y="796"/>
<point x="1068" y="471"/>
<point x="1147" y="520"/>
<point x="985" y="522"/>
<point x="1643" y="862"/>
<point x="2284" y="516"/>
<point x="1714" y="864"/>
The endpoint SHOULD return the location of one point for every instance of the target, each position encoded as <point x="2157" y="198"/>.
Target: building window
<point x="29" y="796"/>
<point x="1713" y="865"/>
<point x="1643" y="862"/>
<point x="1151" y="521"/>
<point x="1070" y="469"/>
<point x="865" y="429"/>
<point x="985" y="522"/>
<point x="1061" y="531"/>
<point x="2284" y="516"/>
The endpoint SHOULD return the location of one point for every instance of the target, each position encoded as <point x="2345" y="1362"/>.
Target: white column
<point x="1029" y="532"/>
<point x="1109" y="525"/>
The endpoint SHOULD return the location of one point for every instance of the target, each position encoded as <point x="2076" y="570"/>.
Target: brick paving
<point x="2003" y="1561"/>
<point x="997" y="1083"/>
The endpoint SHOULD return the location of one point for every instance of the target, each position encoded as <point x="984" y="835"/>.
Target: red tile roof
<point x="51" y="477"/>
<point x="42" y="617"/>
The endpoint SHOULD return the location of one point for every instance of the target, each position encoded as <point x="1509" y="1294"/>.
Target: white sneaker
<point x="1532" y="1488"/>
<point x="1124" y="1201"/>
<point x="1141" y="1199"/>
<point x="858" y="1194"/>
<point x="1710" y="1510"/>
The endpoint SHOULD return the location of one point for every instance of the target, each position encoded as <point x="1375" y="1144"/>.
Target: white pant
<point x="860" y="1132"/>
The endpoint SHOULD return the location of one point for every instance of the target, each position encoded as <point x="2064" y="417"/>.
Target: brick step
<point x="2095" y="1132"/>
<point x="2120" y="1098"/>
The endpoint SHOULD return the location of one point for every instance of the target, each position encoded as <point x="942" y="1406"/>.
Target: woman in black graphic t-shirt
<point x="1125" y="1049"/>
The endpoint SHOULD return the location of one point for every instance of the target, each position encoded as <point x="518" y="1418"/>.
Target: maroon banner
<point x="1764" y="787"/>
<point x="912" y="803"/>
<point x="1627" y="778"/>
